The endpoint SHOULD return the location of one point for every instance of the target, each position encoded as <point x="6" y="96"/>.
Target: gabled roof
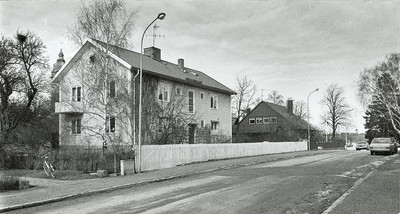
<point x="162" y="69"/>
<point x="283" y="111"/>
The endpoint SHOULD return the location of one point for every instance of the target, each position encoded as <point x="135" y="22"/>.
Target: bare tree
<point x="276" y="98"/>
<point x="22" y="77"/>
<point x="300" y="110"/>
<point x="242" y="101"/>
<point x="111" y="25"/>
<point x="339" y="112"/>
<point x="104" y="20"/>
<point x="380" y="85"/>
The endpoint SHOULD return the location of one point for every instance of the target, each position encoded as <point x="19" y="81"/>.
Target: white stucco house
<point x="98" y="95"/>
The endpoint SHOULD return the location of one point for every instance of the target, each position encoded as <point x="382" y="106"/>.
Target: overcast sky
<point x="292" y="47"/>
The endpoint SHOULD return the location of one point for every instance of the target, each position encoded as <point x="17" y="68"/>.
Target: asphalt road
<point x="309" y="184"/>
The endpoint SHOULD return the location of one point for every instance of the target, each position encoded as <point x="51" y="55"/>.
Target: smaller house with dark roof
<point x="98" y="99"/>
<point x="270" y="122"/>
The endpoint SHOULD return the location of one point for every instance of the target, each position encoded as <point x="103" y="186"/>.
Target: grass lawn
<point x="60" y="175"/>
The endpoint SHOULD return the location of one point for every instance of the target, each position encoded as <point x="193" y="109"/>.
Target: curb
<point x="109" y="189"/>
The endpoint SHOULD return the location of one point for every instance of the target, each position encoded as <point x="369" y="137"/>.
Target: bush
<point x="9" y="183"/>
<point x="90" y="160"/>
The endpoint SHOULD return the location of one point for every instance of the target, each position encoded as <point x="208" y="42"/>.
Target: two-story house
<point x="271" y="122"/>
<point x="99" y="91"/>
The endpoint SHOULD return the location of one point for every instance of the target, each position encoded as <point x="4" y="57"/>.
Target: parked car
<point x="383" y="145"/>
<point x="362" y="145"/>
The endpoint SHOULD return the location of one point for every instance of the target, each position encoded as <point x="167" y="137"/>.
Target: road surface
<point x="309" y="184"/>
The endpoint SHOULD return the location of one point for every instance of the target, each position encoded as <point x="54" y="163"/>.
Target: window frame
<point x="259" y="120"/>
<point x="252" y="119"/>
<point x="111" y="122"/>
<point x="214" y="125"/>
<point x="202" y="123"/>
<point x="164" y="87"/>
<point x="76" y="93"/>
<point x="76" y="126"/>
<point x="202" y="95"/>
<point x="193" y="101"/>
<point x="180" y="90"/>
<point x="214" y="101"/>
<point x="266" y="119"/>
<point x="112" y="91"/>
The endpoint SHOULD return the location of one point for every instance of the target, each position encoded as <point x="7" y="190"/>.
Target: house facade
<point x="271" y="122"/>
<point x="99" y="95"/>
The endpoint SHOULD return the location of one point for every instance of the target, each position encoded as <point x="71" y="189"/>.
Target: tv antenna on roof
<point x="154" y="35"/>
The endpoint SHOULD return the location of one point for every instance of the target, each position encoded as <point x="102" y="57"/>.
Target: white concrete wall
<point x="166" y="156"/>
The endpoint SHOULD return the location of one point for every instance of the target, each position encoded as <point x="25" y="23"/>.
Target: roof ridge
<point x="154" y="68"/>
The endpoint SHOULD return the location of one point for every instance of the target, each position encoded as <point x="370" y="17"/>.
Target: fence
<point x="166" y="156"/>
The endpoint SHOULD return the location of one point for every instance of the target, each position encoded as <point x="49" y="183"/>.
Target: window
<point x="274" y="119"/>
<point x="252" y="120"/>
<point x="92" y="59"/>
<point x="76" y="94"/>
<point x="163" y="92"/>
<point x="214" y="125"/>
<point x="112" y="89"/>
<point x="110" y="121"/>
<point x="202" y="95"/>
<point x="178" y="90"/>
<point x="265" y="120"/>
<point x="202" y="123"/>
<point x="76" y="126"/>
<point x="214" y="101"/>
<point x="259" y="120"/>
<point x="191" y="101"/>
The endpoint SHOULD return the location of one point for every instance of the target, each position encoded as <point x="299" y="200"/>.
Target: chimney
<point x="290" y="106"/>
<point x="153" y="52"/>
<point x="181" y="64"/>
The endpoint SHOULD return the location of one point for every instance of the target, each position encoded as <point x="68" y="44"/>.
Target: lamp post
<point x="160" y="16"/>
<point x="308" y="118"/>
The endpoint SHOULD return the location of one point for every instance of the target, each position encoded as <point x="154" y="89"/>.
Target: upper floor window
<point x="259" y="120"/>
<point x="92" y="59"/>
<point x="202" y="95"/>
<point x="265" y="120"/>
<point x="191" y="101"/>
<point x="178" y="90"/>
<point x="252" y="120"/>
<point x="163" y="92"/>
<point x="76" y="94"/>
<point x="76" y="126"/>
<point x="214" y="101"/>
<point x="112" y="89"/>
<point x="274" y="119"/>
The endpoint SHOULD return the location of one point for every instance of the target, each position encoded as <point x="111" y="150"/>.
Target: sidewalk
<point x="52" y="190"/>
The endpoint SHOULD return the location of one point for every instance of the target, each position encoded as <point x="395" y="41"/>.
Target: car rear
<point x="362" y="145"/>
<point x="381" y="145"/>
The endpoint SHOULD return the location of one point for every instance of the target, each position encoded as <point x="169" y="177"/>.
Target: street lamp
<point x="160" y="16"/>
<point x="308" y="119"/>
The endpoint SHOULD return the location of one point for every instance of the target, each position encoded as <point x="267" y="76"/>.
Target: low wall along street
<point x="166" y="156"/>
